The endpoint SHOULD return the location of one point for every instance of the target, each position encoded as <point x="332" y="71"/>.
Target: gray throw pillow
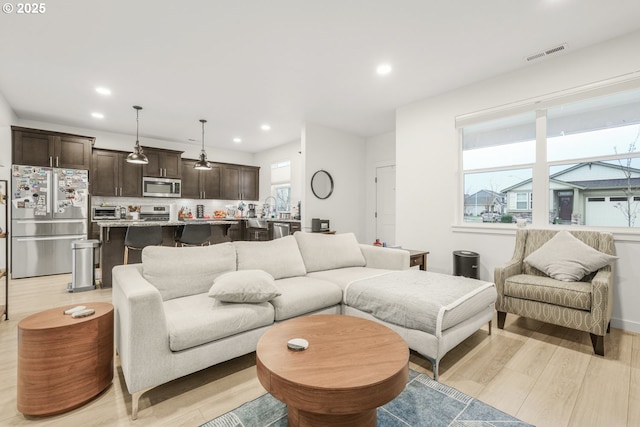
<point x="244" y="286"/>
<point x="565" y="257"/>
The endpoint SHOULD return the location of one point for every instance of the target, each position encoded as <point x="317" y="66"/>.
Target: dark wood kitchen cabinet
<point x="236" y="232"/>
<point x="199" y="184"/>
<point x="111" y="175"/>
<point x="294" y="227"/>
<point x="162" y="163"/>
<point x="240" y="182"/>
<point x="35" y="147"/>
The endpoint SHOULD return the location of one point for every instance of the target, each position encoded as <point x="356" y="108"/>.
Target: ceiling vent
<point x="545" y="53"/>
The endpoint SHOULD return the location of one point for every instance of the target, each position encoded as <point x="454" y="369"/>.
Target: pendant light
<point x="202" y="164"/>
<point x="137" y="156"/>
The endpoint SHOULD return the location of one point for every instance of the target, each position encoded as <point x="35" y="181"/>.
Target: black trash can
<point x="466" y="263"/>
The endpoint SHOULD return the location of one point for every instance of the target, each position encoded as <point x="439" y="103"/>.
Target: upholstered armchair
<point x="583" y="303"/>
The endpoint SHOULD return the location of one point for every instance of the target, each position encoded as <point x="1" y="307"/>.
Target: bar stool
<point x="193" y="235"/>
<point x="139" y="237"/>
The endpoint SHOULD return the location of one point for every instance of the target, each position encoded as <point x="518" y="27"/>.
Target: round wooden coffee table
<point x="63" y="362"/>
<point x="351" y="367"/>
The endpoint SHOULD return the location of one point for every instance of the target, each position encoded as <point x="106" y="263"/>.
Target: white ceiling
<point x="241" y="63"/>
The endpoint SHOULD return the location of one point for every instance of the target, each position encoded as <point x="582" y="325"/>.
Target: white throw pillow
<point x="178" y="272"/>
<point x="325" y="251"/>
<point x="244" y="286"/>
<point x="565" y="257"/>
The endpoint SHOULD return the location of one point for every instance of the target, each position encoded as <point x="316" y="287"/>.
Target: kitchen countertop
<point x="138" y="223"/>
<point x="276" y="219"/>
<point x="212" y="221"/>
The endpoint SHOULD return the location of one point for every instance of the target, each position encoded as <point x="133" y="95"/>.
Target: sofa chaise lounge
<point x="185" y="309"/>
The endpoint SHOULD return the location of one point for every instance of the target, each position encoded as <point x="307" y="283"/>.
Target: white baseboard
<point x="625" y="325"/>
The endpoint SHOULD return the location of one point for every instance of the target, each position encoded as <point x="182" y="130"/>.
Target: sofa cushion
<point x="248" y="286"/>
<point x="279" y="257"/>
<point x="325" y="251"/>
<point x="178" y="272"/>
<point x="197" y="319"/>
<point x="302" y="295"/>
<point x="343" y="276"/>
<point x="566" y="258"/>
<point x="545" y="289"/>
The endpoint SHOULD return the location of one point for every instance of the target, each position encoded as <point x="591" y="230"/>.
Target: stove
<point x="155" y="212"/>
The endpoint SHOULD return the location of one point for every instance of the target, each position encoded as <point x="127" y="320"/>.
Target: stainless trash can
<point x="465" y="263"/>
<point x="83" y="271"/>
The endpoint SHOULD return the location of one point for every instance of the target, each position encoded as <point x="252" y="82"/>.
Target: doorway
<point x="565" y="205"/>
<point x="386" y="204"/>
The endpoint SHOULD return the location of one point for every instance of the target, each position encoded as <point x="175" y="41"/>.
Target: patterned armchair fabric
<point x="585" y="305"/>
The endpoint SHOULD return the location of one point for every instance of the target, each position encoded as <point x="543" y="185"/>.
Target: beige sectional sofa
<point x="185" y="309"/>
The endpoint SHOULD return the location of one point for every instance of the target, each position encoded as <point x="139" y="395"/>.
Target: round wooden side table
<point x="351" y="367"/>
<point x="63" y="362"/>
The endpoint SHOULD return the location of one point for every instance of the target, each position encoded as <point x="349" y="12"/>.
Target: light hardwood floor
<point x="542" y="374"/>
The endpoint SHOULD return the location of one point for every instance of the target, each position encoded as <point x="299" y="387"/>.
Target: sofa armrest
<point x="386" y="258"/>
<point x="501" y="273"/>
<point x="602" y="294"/>
<point x="141" y="334"/>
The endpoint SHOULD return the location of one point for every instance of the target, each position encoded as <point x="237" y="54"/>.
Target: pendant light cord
<point x="203" y="122"/>
<point x="137" y="126"/>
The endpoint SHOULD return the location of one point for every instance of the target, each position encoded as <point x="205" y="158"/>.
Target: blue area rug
<point x="423" y="403"/>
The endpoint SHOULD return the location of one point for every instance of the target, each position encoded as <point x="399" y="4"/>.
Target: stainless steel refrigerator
<point x="49" y="210"/>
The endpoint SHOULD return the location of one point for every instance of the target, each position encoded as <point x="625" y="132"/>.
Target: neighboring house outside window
<point x="591" y="193"/>
<point x="486" y="204"/>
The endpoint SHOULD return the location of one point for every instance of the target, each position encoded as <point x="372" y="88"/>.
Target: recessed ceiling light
<point x="265" y="126"/>
<point x="237" y="140"/>
<point x="97" y="115"/>
<point x="103" y="91"/>
<point x="383" y="69"/>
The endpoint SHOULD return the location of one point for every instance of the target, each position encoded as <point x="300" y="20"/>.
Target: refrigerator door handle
<point x="49" y="191"/>
<point x="48" y="221"/>
<point x="54" y="191"/>
<point x="31" y="239"/>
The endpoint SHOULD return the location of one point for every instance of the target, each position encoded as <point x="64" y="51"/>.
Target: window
<point x="522" y="201"/>
<point x="281" y="185"/>
<point x="490" y="152"/>
<point x="282" y="194"/>
<point x="592" y="158"/>
<point x="601" y="135"/>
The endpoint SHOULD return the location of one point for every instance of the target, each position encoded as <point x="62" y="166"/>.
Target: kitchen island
<point x="112" y="234"/>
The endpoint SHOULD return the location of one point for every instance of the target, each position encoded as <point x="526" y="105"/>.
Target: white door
<point x="386" y="204"/>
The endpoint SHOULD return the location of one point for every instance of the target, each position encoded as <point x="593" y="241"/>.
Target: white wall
<point x="380" y="151"/>
<point x="125" y="142"/>
<point x="290" y="151"/>
<point x="427" y="155"/>
<point x="7" y="118"/>
<point x="343" y="156"/>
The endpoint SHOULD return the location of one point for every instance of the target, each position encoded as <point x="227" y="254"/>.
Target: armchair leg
<point x="609" y="327"/>
<point x="502" y="316"/>
<point x="598" y="344"/>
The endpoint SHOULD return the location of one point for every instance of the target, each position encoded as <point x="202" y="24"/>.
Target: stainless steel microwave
<point x="161" y="187"/>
